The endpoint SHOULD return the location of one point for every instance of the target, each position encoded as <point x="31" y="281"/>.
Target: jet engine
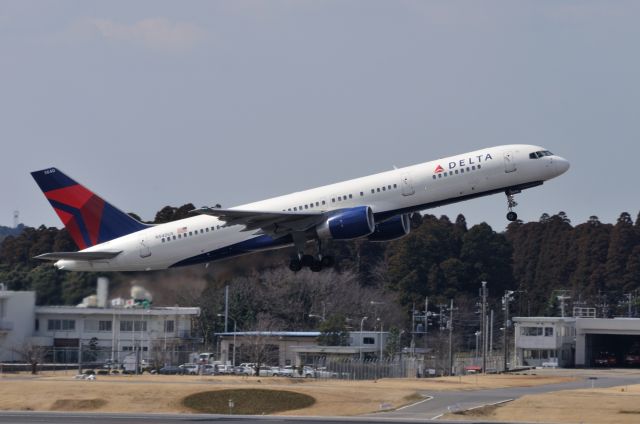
<point x="347" y="224"/>
<point x="391" y="229"/>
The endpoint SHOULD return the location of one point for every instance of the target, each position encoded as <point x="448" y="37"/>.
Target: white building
<point x="544" y="341"/>
<point x="300" y="347"/>
<point x="17" y="317"/>
<point x="99" y="334"/>
<point x="114" y="333"/>
<point x="580" y="342"/>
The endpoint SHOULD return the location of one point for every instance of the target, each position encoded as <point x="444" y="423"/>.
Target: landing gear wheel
<point x="511" y="203"/>
<point x="328" y="262"/>
<point x="316" y="266"/>
<point x="295" y="265"/>
<point x="307" y="260"/>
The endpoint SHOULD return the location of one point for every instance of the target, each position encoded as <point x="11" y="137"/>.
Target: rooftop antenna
<point x="563" y="298"/>
<point x="16" y="219"/>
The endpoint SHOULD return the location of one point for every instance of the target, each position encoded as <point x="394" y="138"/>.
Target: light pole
<point x="233" y="361"/>
<point x="505" y="343"/>
<point x="380" y="339"/>
<point x="361" y="337"/>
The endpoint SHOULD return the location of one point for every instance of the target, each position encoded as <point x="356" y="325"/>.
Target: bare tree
<point x="31" y="354"/>
<point x="256" y="347"/>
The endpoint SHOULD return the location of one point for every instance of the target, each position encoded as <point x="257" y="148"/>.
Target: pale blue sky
<point x="152" y="103"/>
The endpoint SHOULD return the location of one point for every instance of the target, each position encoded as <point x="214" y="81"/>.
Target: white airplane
<point x="377" y="207"/>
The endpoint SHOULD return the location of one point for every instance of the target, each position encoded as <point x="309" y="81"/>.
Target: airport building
<point x="298" y="347"/>
<point x="96" y="330"/>
<point x="580" y="341"/>
<point x="544" y="341"/>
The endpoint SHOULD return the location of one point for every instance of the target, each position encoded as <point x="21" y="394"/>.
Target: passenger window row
<point x="337" y="199"/>
<point x="191" y="233"/>
<point x="457" y="171"/>
<point x="307" y="206"/>
<point x="383" y="188"/>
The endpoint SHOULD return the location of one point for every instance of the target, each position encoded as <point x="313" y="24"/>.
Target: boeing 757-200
<point x="377" y="207"/>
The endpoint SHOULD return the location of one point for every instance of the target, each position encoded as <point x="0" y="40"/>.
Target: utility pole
<point x="451" y="338"/>
<point x="226" y="309"/>
<point x="491" y="334"/>
<point x="426" y="327"/>
<point x="505" y="337"/>
<point x="413" y="330"/>
<point x="483" y="327"/>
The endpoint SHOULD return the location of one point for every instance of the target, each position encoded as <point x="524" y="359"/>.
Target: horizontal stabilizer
<point x="78" y="256"/>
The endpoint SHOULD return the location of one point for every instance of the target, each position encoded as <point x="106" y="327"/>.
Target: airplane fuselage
<point x="203" y="238"/>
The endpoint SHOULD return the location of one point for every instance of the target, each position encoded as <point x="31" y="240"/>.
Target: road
<point x="438" y="403"/>
<point x="76" y="418"/>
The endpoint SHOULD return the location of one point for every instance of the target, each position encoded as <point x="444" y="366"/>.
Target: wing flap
<point x="78" y="256"/>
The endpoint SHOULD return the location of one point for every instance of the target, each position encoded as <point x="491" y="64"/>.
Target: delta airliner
<point x="378" y="207"/>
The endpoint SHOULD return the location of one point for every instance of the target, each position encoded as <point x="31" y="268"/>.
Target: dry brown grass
<point x="77" y="404"/>
<point x="603" y="406"/>
<point x="158" y="393"/>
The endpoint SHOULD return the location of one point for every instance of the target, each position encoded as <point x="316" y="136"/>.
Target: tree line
<point x="593" y="263"/>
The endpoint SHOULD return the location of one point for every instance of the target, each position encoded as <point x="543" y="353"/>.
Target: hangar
<point x="608" y="342"/>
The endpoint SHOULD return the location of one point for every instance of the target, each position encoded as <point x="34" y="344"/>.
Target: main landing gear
<point x="511" y="203"/>
<point x="315" y="264"/>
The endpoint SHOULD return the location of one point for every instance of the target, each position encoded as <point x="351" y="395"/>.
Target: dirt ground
<point x="616" y="405"/>
<point x="164" y="394"/>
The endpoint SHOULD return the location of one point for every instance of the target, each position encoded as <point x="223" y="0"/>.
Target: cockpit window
<point x="539" y="154"/>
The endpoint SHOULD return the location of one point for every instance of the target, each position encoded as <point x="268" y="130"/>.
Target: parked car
<point x="266" y="371"/>
<point x="171" y="369"/>
<point x="208" y="369"/>
<point x="189" y="368"/>
<point x="225" y="369"/>
<point x="308" y="372"/>
<point x="606" y="359"/>
<point x="632" y="359"/>
<point x="323" y="372"/>
<point x="284" y="371"/>
<point x="244" y="370"/>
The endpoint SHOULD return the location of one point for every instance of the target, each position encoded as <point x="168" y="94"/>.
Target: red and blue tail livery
<point x="88" y="218"/>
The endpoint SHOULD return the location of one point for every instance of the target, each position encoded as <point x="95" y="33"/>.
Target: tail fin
<point x="89" y="219"/>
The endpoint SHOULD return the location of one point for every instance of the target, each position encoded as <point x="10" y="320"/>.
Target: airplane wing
<point x="267" y="222"/>
<point x="78" y="256"/>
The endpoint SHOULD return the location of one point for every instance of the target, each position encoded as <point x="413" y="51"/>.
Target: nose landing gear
<point x="511" y="203"/>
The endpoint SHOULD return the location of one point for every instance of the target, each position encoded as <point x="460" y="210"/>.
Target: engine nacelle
<point x="347" y="224"/>
<point x="392" y="228"/>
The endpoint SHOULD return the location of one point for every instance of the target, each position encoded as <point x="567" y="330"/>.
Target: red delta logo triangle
<point x="439" y="169"/>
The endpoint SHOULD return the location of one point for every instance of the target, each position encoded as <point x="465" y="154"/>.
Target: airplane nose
<point x="561" y="164"/>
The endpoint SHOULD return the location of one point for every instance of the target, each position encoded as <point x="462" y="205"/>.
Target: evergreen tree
<point x="333" y="331"/>
<point x="46" y="280"/>
<point x="632" y="271"/>
<point x="622" y="241"/>
<point x="488" y="258"/>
